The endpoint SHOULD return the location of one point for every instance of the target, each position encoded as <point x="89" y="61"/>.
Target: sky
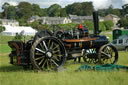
<point x="98" y="4"/>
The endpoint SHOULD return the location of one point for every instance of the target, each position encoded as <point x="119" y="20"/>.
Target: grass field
<point x="15" y="75"/>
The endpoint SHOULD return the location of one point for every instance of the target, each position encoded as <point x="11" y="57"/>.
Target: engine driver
<point x="83" y="30"/>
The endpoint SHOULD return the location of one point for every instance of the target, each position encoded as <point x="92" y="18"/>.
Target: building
<point x="33" y="18"/>
<point x="63" y="20"/>
<point x="80" y="19"/>
<point x="54" y="20"/>
<point x="101" y="19"/>
<point x="50" y="20"/>
<point x="113" y="18"/>
<point x="9" y="22"/>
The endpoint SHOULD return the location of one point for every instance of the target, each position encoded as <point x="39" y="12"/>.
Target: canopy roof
<point x="19" y="29"/>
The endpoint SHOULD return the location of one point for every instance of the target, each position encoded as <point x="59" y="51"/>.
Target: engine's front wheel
<point x="108" y="54"/>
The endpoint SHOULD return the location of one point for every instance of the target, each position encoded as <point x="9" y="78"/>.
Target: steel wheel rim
<point x="108" y="54"/>
<point x="49" y="54"/>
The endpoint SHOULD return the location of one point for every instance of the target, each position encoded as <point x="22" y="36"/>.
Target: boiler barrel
<point x="86" y="45"/>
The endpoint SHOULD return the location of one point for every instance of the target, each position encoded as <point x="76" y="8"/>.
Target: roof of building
<point x="113" y="15"/>
<point x="80" y="17"/>
<point x="53" y="18"/>
<point x="8" y="20"/>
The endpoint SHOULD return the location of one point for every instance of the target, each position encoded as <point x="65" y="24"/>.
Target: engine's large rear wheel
<point x="47" y="53"/>
<point x="108" y="54"/>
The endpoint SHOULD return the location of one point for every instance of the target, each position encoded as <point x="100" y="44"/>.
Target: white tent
<point x="12" y="30"/>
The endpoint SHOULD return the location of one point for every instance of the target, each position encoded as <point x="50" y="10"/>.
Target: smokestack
<point x="96" y="22"/>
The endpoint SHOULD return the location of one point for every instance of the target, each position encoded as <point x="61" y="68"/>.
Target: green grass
<point x="16" y="75"/>
<point x="5" y="39"/>
<point x="4" y="48"/>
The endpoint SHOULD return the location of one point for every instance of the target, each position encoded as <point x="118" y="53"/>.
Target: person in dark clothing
<point x="83" y="30"/>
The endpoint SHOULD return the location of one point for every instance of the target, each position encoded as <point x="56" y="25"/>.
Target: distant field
<point x="15" y="75"/>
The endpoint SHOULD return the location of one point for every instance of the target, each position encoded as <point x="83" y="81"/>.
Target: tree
<point x="89" y="24"/>
<point x="36" y="9"/>
<point x="69" y="26"/>
<point x="1" y="15"/>
<point x="108" y="24"/>
<point x="76" y="9"/>
<point x="2" y="29"/>
<point x="116" y="12"/>
<point x="25" y="10"/>
<point x="5" y="8"/>
<point x="125" y="9"/>
<point x="35" y="24"/>
<point x="22" y="22"/>
<point x="87" y="8"/>
<point x="63" y="12"/>
<point x="110" y="10"/>
<point x="18" y="37"/>
<point x="84" y="8"/>
<point x="54" y="10"/>
<point x="102" y="26"/>
<point x="43" y="12"/>
<point x="0" y="22"/>
<point x="123" y="22"/>
<point x="12" y="12"/>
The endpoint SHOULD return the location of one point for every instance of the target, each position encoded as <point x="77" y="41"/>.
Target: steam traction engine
<point x="48" y="51"/>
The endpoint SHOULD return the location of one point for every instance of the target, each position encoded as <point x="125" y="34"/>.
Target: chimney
<point x="96" y="23"/>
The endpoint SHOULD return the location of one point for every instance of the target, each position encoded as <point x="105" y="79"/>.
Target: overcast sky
<point x="98" y="4"/>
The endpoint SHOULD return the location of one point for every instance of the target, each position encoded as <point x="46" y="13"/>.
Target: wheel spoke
<point x="112" y="53"/>
<point x="47" y="65"/>
<point x="38" y="54"/>
<point x="49" y="43"/>
<point x="42" y="46"/>
<point x="54" y="62"/>
<point x="51" y="46"/>
<point x="104" y="53"/>
<point x="43" y="63"/>
<point x="39" y="58"/>
<point x="56" y="51"/>
<point x="50" y="62"/>
<point x="55" y="47"/>
<point x="55" y="57"/>
<point x="106" y="49"/>
<point x="110" y="60"/>
<point x="40" y="50"/>
<point x="106" y="60"/>
<point x="45" y="45"/>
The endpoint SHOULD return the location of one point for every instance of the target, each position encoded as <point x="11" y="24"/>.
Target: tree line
<point x="24" y="10"/>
